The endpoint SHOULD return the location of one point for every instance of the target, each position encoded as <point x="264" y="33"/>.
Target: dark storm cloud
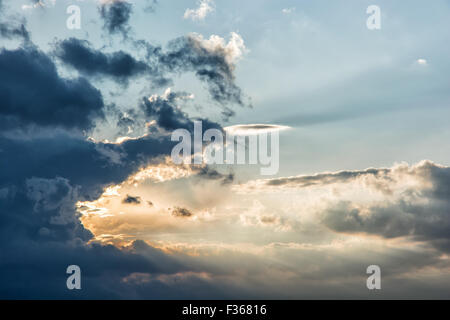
<point x="168" y="116"/>
<point x="83" y="163"/>
<point x="32" y="93"/>
<point x="41" y="271"/>
<point x="118" y="65"/>
<point x="131" y="200"/>
<point x="41" y="180"/>
<point x="116" y="16"/>
<point x="43" y="176"/>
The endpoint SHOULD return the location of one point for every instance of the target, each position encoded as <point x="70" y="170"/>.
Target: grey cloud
<point x="116" y="16"/>
<point x="428" y="222"/>
<point x="420" y="213"/>
<point x="12" y="27"/>
<point x="43" y="176"/>
<point x="206" y="172"/>
<point x="184" y="54"/>
<point x="131" y="200"/>
<point x="188" y="54"/>
<point x="326" y="178"/>
<point x="9" y="31"/>
<point x="32" y="93"/>
<point x="168" y="116"/>
<point x="181" y="212"/>
<point x="119" y="65"/>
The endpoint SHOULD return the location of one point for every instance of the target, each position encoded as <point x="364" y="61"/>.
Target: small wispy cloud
<point x="422" y="62"/>
<point x="38" y="4"/>
<point x="288" y="10"/>
<point x="249" y="129"/>
<point x="205" y="7"/>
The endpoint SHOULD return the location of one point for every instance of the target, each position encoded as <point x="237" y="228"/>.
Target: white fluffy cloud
<point x="205" y="7"/>
<point x="233" y="50"/>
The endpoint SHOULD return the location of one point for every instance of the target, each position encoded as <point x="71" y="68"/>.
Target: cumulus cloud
<point x="302" y="230"/>
<point x="405" y="201"/>
<point x="284" y="232"/>
<point x="420" y="213"/>
<point x="204" y="8"/>
<point x="44" y="176"/>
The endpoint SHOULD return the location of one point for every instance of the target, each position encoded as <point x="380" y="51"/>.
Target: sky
<point x="87" y="176"/>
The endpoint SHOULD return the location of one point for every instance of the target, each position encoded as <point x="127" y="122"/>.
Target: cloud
<point x="206" y="172"/>
<point x="288" y="10"/>
<point x="294" y="234"/>
<point x="400" y="202"/>
<point x="32" y="93"/>
<point x="119" y="65"/>
<point x="38" y="4"/>
<point x="131" y="200"/>
<point x="168" y="116"/>
<point x="422" y="62"/>
<point x="11" y="31"/>
<point x="252" y="129"/>
<point x="420" y="213"/>
<point x="13" y="27"/>
<point x="116" y="16"/>
<point x="204" y="8"/>
<point x="50" y="167"/>
<point x="39" y="220"/>
<point x="181" y="212"/>
<point x="46" y="172"/>
<point x="212" y="61"/>
<point x="210" y="236"/>
<point x="324" y="178"/>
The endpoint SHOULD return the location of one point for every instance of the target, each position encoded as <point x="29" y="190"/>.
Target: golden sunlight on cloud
<point x="170" y="205"/>
<point x="160" y="173"/>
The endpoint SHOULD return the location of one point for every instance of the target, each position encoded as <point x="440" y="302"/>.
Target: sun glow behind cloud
<point x="225" y="229"/>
